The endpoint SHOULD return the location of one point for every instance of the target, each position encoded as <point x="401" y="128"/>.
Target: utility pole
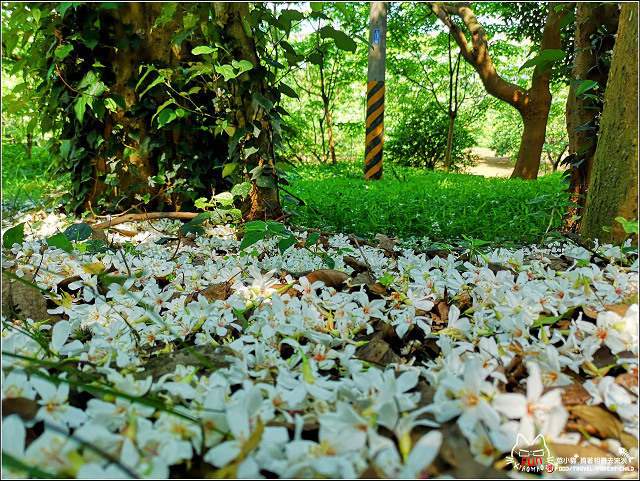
<point x="375" y="90"/>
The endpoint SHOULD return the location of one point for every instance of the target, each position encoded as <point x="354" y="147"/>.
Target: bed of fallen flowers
<point x="142" y="353"/>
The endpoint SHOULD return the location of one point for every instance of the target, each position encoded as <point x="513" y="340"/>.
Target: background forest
<point x="201" y="277"/>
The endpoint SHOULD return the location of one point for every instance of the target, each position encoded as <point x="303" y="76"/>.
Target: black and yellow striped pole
<point x="375" y="90"/>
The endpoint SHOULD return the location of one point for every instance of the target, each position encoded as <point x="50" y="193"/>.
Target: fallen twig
<point x="148" y="216"/>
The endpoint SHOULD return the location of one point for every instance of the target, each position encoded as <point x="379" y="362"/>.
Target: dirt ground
<point x="491" y="166"/>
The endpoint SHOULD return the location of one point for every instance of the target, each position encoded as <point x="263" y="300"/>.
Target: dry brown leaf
<point x="23" y="407"/>
<point x="620" y="309"/>
<point x="378" y="289"/>
<point x="362" y="278"/>
<point x="386" y="243"/>
<point x="442" y="308"/>
<point x="593" y="314"/>
<point x="94" y="268"/>
<point x="330" y="277"/>
<point x="356" y="264"/>
<point x="605" y="422"/>
<point x="215" y="357"/>
<point x="216" y="292"/>
<point x="628" y="381"/>
<point x="372" y="472"/>
<point x="377" y="351"/>
<point x="24" y="300"/>
<point x="575" y="394"/>
<point x="569" y="450"/>
<point x="98" y="234"/>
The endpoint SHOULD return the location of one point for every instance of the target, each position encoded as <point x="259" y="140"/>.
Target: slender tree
<point x="533" y="104"/>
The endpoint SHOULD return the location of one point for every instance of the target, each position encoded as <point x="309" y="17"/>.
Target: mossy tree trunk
<point x="582" y="110"/>
<point x="263" y="201"/>
<point x="613" y="190"/>
<point x="134" y="171"/>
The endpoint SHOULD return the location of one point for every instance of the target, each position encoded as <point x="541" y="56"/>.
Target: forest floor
<point x="491" y="165"/>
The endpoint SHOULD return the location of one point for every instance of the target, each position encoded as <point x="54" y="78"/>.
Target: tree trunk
<point x="581" y="110"/>
<point x="613" y="190"/>
<point x="133" y="172"/>
<point x="535" y="126"/>
<point x="327" y="116"/>
<point x="322" y="139"/>
<point x="533" y="104"/>
<point x="263" y="201"/>
<point x="447" y="155"/>
<point x="29" y="145"/>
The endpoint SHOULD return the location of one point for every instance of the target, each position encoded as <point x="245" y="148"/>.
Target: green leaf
<point x="584" y="86"/>
<point x="242" y="65"/>
<point x="532" y="62"/>
<point x="251" y="237"/>
<point x="157" y="81"/>
<point x="552" y="55"/>
<point x="80" y="107"/>
<point x="312" y="239"/>
<point x="229" y="168"/>
<point x="342" y="40"/>
<point x="629" y="226"/>
<point x="316" y="6"/>
<point x="14" y="235"/>
<point x="242" y="189"/>
<point x="275" y="227"/>
<point x="255" y="225"/>
<point x="202" y="50"/>
<point x="250" y="151"/>
<point x="284" y="244"/>
<point x="60" y="241"/>
<point x="32" y="125"/>
<point x="150" y="68"/>
<point x="62" y="51"/>
<point x="226" y="71"/>
<point x="265" y="102"/>
<point x="190" y="228"/>
<point x="161" y="108"/>
<point x="165" y="117"/>
<point x="78" y="232"/>
<point x="286" y="90"/>
<point x="315" y="58"/>
<point x="224" y="198"/>
<point x="265" y="181"/>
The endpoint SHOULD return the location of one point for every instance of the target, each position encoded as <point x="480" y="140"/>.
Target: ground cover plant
<point x="414" y="203"/>
<point x="154" y="355"/>
<point x="27" y="181"/>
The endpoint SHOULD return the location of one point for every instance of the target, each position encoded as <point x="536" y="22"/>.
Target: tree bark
<point x="132" y="173"/>
<point x="327" y="116"/>
<point x="263" y="202"/>
<point x="447" y="155"/>
<point x="581" y="110"/>
<point x="613" y="190"/>
<point x="532" y="104"/>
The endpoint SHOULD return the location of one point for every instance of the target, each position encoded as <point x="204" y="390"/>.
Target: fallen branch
<point x="148" y="216"/>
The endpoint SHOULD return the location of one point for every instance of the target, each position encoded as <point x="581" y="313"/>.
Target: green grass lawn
<point x="27" y="182"/>
<point x="413" y="203"/>
<point x="420" y="203"/>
